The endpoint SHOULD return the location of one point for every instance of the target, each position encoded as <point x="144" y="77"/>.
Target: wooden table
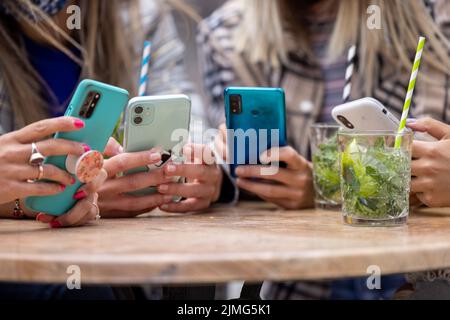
<point x="250" y="242"/>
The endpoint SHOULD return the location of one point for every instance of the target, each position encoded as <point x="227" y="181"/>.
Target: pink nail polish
<point x="80" y="195"/>
<point x="55" y="224"/>
<point x="78" y="123"/>
<point x="86" y="147"/>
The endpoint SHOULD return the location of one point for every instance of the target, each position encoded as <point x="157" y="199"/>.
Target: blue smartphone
<point x="256" y="121"/>
<point x="99" y="105"/>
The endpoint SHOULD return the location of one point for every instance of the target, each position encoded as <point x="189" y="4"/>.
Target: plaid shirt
<point x="305" y="90"/>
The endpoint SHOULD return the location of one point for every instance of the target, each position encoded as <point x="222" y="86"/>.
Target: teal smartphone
<point x="256" y="121"/>
<point x="99" y="105"/>
<point x="157" y="122"/>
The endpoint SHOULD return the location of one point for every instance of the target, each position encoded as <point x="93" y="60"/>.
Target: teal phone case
<point x="262" y="108"/>
<point x="96" y="133"/>
<point x="162" y="115"/>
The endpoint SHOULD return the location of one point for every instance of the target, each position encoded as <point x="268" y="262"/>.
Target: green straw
<point x="409" y="94"/>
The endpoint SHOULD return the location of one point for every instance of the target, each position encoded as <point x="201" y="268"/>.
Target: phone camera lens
<point x="138" y="110"/>
<point x="138" y="120"/>
<point x="346" y="123"/>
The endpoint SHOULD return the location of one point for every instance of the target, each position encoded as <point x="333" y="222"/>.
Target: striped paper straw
<point x="349" y="73"/>
<point x="143" y="80"/>
<point x="409" y="94"/>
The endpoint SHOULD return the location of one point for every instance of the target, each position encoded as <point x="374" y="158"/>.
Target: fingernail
<point x="155" y="156"/>
<point x="411" y="120"/>
<point x="55" y="224"/>
<point x="168" y="198"/>
<point x="239" y="170"/>
<point x="163" y="188"/>
<point x="164" y="207"/>
<point x="86" y="147"/>
<point x="72" y="181"/>
<point x="80" y="195"/>
<point x="40" y="217"/>
<point x="171" y="168"/>
<point x="62" y="187"/>
<point x="78" y="123"/>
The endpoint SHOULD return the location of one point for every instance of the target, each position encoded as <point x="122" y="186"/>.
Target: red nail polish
<point x="86" y="147"/>
<point x="78" y="123"/>
<point x="73" y="180"/>
<point x="55" y="224"/>
<point x="39" y="217"/>
<point x="80" y="195"/>
<point x="63" y="187"/>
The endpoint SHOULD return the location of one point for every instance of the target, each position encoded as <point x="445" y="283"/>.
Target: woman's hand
<point x="430" y="168"/>
<point x="289" y="188"/>
<point x="114" y="201"/>
<point x="203" y="181"/>
<point x="84" y="211"/>
<point x="15" y="152"/>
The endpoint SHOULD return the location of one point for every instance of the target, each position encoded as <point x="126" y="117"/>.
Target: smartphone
<point x="157" y="122"/>
<point x="99" y="105"/>
<point x="256" y="122"/>
<point x="370" y="114"/>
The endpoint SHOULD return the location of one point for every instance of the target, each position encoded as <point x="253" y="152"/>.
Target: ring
<point x="41" y="172"/>
<point x="97" y="216"/>
<point x="36" y="157"/>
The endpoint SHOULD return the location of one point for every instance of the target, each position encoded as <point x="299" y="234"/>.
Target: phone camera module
<point x="138" y="120"/>
<point x="138" y="110"/>
<point x="236" y="104"/>
<point x="346" y="122"/>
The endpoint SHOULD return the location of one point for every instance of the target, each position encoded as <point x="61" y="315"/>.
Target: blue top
<point x="60" y="73"/>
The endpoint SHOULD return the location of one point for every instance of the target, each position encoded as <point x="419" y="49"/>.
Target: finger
<point x="187" y="190"/>
<point x="44" y="218"/>
<point x="286" y="154"/>
<point x="437" y="129"/>
<point x="76" y="215"/>
<point x="127" y="161"/>
<point x="44" y="128"/>
<point x="420" y="167"/>
<point x="421" y="149"/>
<point x="113" y="148"/>
<point x="124" y="203"/>
<point x="50" y="172"/>
<point x="188" y="205"/>
<point x="52" y="147"/>
<point x="420" y="185"/>
<point x="134" y="182"/>
<point x="267" y="190"/>
<point x="36" y="189"/>
<point x="200" y="172"/>
<point x="284" y="176"/>
<point x="94" y="185"/>
<point x="289" y="204"/>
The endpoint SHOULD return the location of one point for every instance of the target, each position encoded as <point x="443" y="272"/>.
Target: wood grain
<point x="251" y="242"/>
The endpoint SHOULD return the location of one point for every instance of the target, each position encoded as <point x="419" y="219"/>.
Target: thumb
<point x="113" y="148"/>
<point x="437" y="129"/>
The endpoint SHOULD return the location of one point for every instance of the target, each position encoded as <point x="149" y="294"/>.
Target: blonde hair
<point x="107" y="46"/>
<point x="262" y="35"/>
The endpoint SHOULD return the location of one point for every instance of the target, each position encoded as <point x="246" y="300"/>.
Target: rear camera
<point x="138" y="110"/>
<point x="345" y="122"/>
<point x="137" y="120"/>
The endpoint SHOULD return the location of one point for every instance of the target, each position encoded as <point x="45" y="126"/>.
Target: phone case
<point x="165" y="125"/>
<point x="262" y="108"/>
<point x="96" y="133"/>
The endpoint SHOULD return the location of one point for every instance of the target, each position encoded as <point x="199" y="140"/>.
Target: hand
<point x="114" y="201"/>
<point x="294" y="184"/>
<point x="15" y="151"/>
<point x="84" y="211"/>
<point x="204" y="180"/>
<point x="430" y="168"/>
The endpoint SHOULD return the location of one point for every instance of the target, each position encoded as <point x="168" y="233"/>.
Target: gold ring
<point x="41" y="172"/>
<point x="36" y="157"/>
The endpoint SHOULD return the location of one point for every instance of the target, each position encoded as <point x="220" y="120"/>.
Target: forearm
<point x="7" y="211"/>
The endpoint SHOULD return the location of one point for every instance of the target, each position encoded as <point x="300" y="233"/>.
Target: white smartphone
<point x="370" y="114"/>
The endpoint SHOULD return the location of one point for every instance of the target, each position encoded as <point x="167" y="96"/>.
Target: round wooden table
<point x="251" y="242"/>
